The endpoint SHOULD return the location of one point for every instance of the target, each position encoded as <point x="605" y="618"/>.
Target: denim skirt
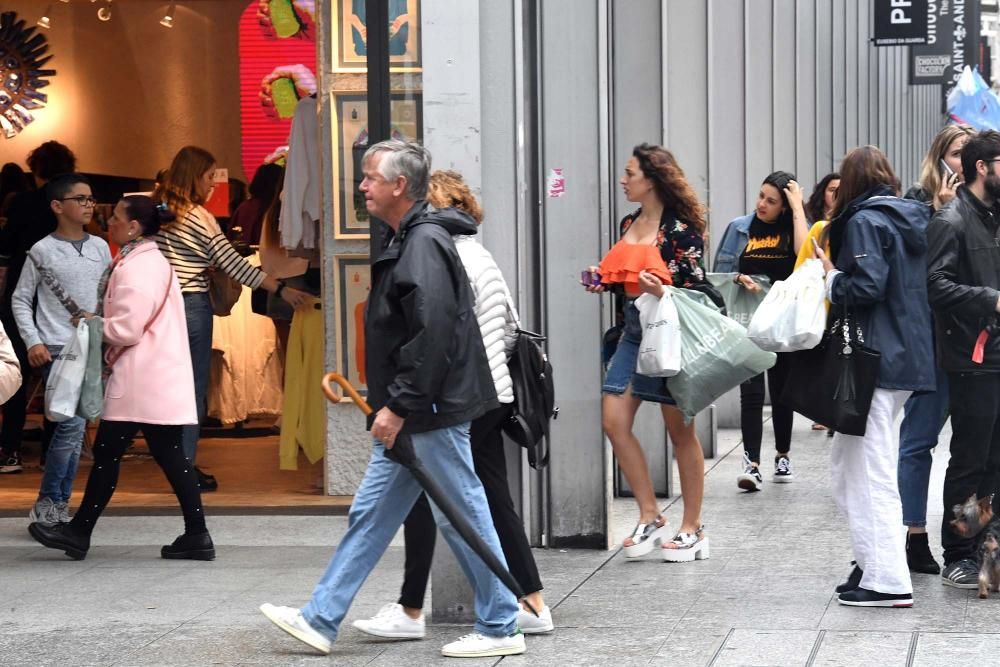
<point x="621" y="367"/>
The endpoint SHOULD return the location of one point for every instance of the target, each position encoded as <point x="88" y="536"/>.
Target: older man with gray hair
<point x="427" y="373"/>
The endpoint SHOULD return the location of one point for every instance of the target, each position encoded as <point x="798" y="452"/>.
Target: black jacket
<point x="963" y="279"/>
<point x="424" y="353"/>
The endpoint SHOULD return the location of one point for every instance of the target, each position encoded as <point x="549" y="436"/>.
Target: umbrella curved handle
<point x="348" y="389"/>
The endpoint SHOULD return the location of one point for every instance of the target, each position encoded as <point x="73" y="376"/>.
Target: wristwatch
<point x="281" y="287"/>
<point x="737" y="278"/>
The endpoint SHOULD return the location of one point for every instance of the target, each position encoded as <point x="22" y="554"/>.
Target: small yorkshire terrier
<point x="972" y="515"/>
<point x="989" y="559"/>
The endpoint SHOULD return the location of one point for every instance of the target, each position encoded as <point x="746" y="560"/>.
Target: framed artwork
<point x="351" y="47"/>
<point x="351" y="119"/>
<point x="352" y="284"/>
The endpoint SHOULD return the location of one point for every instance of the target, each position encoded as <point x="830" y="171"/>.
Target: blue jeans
<point x="383" y="500"/>
<point x="63" y="456"/>
<point x="198" y="310"/>
<point x="925" y="415"/>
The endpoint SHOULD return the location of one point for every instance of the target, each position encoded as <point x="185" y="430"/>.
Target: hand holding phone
<point x="590" y="278"/>
<point x="946" y="171"/>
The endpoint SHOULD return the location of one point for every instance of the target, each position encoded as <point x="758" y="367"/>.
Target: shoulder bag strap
<point x="65" y="299"/>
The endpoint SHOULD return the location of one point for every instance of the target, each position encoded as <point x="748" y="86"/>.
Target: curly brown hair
<point x="447" y="189"/>
<point x="659" y="165"/>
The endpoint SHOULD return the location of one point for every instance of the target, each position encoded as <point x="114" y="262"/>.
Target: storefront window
<point x="367" y="107"/>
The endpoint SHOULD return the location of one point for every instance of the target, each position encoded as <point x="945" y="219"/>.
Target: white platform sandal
<point x="686" y="547"/>
<point x="645" y="537"/>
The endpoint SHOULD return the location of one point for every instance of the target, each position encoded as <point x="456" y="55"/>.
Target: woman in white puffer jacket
<point x="498" y="324"/>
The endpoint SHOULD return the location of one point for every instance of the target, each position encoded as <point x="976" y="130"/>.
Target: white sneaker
<point x="391" y="622"/>
<point x="290" y="620"/>
<point x="481" y="646"/>
<point x="535" y="625"/>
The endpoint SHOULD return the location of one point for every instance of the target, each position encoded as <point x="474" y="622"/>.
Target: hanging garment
<point x="300" y="206"/>
<point x="303" y="422"/>
<point x="245" y="377"/>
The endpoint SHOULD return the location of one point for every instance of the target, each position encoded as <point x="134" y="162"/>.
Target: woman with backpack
<point x="498" y="324"/>
<point x="661" y="244"/>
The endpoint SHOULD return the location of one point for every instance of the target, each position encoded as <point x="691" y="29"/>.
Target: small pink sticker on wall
<point x="556" y="184"/>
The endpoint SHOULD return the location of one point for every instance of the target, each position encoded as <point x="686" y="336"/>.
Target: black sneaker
<point x="862" y="597"/>
<point x="918" y="555"/>
<point x="10" y="463"/>
<point x="190" y="547"/>
<point x="961" y="574"/>
<point x="853" y="580"/>
<point x="750" y="479"/>
<point x="782" y="470"/>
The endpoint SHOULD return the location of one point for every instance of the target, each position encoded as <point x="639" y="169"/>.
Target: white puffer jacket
<point x="497" y="322"/>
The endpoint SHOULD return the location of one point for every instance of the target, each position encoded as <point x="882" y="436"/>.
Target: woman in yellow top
<point x="818" y="210"/>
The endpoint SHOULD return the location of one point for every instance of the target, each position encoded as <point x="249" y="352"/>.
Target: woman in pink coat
<point x="151" y="386"/>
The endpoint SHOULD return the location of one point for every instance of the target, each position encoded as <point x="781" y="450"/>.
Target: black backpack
<point x="534" y="396"/>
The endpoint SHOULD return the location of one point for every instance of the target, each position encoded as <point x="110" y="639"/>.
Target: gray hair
<point x="403" y="158"/>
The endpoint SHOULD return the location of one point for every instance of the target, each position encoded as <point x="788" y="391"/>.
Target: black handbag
<point x="833" y="383"/>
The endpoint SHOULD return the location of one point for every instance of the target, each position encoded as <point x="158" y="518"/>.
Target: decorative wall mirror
<point x="22" y="57"/>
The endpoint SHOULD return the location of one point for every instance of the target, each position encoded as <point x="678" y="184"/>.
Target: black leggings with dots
<point x="113" y="438"/>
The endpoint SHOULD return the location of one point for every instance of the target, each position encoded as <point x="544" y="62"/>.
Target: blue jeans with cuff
<point x="386" y="495"/>
<point x="925" y="415"/>
<point x="63" y="457"/>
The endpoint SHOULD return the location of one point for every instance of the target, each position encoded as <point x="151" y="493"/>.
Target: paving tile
<point x="766" y="648"/>
<point x="863" y="649"/>
<point x="958" y="648"/>
<point x="690" y="644"/>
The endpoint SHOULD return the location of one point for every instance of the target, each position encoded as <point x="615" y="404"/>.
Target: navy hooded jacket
<point x="883" y="257"/>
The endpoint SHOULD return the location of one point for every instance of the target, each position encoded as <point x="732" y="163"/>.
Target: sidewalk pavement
<point x="765" y="597"/>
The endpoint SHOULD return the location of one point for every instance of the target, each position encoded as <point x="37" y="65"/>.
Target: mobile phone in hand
<point x="590" y="278"/>
<point x="946" y="171"/>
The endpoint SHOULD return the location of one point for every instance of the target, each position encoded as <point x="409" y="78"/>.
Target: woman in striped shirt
<point x="195" y="246"/>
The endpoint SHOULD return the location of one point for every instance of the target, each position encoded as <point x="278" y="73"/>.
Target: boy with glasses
<point x="71" y="262"/>
<point x="963" y="287"/>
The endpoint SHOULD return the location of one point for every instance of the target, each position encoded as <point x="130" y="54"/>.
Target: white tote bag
<point x="62" y="391"/>
<point x="793" y="314"/>
<point x="660" y="349"/>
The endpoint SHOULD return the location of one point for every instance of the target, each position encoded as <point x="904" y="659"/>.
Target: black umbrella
<point x="402" y="452"/>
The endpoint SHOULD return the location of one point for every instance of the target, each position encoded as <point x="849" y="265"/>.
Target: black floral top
<point x="681" y="246"/>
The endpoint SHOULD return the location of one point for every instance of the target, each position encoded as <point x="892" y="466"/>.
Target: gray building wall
<point x="760" y="85"/>
<point x="735" y="88"/>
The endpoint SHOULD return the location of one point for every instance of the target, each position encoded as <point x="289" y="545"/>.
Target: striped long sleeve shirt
<point x="193" y="243"/>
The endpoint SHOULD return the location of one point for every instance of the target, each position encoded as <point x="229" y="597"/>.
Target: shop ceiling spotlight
<point x="104" y="13"/>
<point x="45" y="21"/>
<point x="168" y="19"/>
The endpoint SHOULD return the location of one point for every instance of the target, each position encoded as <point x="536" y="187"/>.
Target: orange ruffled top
<point x="622" y="264"/>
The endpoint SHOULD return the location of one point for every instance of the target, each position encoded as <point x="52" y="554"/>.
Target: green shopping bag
<point x="741" y="303"/>
<point x="92" y="390"/>
<point x="716" y="356"/>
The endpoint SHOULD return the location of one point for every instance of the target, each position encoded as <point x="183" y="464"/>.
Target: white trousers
<point x="866" y="491"/>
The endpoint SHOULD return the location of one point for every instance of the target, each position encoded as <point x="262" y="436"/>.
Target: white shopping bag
<point x="660" y="349"/>
<point x="793" y="314"/>
<point x="62" y="391"/>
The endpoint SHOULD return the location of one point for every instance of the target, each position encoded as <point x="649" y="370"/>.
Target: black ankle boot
<point x="918" y="554"/>
<point x="61" y="536"/>
<point x="192" y="547"/>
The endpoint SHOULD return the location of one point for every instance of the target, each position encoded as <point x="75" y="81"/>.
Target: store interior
<point x="131" y="86"/>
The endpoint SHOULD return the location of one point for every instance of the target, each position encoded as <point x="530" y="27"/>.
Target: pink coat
<point x="151" y="378"/>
